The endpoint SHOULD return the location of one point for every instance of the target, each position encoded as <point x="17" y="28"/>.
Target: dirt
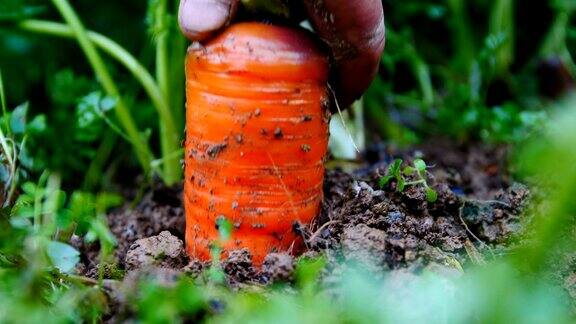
<point x="163" y="250"/>
<point x="238" y="267"/>
<point x="478" y="209"/>
<point x="214" y="150"/>
<point x="364" y="244"/>
<point x="160" y="210"/>
<point x="278" y="267"/>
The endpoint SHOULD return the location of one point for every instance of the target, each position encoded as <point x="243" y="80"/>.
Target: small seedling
<point x="215" y="272"/>
<point x="416" y="170"/>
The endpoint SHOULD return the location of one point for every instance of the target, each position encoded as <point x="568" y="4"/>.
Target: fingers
<point x="198" y="19"/>
<point x="353" y="29"/>
<point x="355" y="32"/>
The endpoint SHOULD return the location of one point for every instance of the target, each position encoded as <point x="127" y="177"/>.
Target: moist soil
<point x="478" y="213"/>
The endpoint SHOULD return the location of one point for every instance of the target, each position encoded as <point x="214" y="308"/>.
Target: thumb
<point x="198" y="19"/>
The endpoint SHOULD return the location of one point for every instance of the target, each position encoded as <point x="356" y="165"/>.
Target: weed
<point x="417" y="171"/>
<point x="215" y="272"/>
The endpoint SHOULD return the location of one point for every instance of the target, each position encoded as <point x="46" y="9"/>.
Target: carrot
<point x="256" y="139"/>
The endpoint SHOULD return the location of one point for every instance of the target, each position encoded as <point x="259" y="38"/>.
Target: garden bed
<point x="478" y="212"/>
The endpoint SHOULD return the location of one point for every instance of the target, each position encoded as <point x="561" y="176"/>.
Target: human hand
<point x="354" y="31"/>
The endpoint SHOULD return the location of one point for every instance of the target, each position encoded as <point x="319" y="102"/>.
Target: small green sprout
<point x="215" y="272"/>
<point x="416" y="170"/>
<point x="224" y="228"/>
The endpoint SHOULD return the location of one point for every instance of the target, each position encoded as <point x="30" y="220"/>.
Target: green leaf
<point x="22" y="221"/>
<point x="87" y="108"/>
<point x="18" y="119"/>
<point x="224" y="228"/>
<point x="105" y="201"/>
<point x="18" y="10"/>
<point x="66" y="87"/>
<point x="82" y="209"/>
<point x="36" y="125"/>
<point x="64" y="219"/>
<point x="408" y="171"/>
<point x="25" y="159"/>
<point x="99" y="231"/>
<point x="63" y="256"/>
<point x="308" y="270"/>
<point x="394" y="168"/>
<point x="57" y="202"/>
<point x="431" y="195"/>
<point x="24" y="204"/>
<point x="5" y="175"/>
<point x="385" y="180"/>
<point x="215" y="272"/>
<point x="420" y="165"/>
<point x="91" y="116"/>
<point x="401" y="184"/>
<point x="29" y="188"/>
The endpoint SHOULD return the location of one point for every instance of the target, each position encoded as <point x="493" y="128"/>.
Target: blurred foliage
<point x="470" y="70"/>
<point x="551" y="162"/>
<point x="497" y="71"/>
<point x="55" y="78"/>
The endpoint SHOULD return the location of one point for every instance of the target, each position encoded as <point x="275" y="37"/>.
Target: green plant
<point x="15" y="159"/>
<point x="165" y="90"/>
<point x="417" y="171"/>
<point x="158" y="303"/>
<point x="215" y="272"/>
<point x="38" y="264"/>
<point x="555" y="42"/>
<point x="487" y="90"/>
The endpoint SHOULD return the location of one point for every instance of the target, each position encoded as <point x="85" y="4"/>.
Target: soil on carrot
<point x="478" y="210"/>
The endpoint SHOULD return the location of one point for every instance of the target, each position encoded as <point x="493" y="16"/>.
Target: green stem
<point x="416" y="182"/>
<point x="502" y="23"/>
<point x="463" y="39"/>
<point x="141" y="148"/>
<point x="380" y="117"/>
<point x="162" y="38"/>
<point x="177" y="58"/>
<point x="38" y="196"/>
<point x="178" y="46"/>
<point x="171" y="166"/>
<point x="422" y="72"/>
<point x="51" y="204"/>
<point x="170" y="128"/>
<point x="118" y="53"/>
<point x="3" y="142"/>
<point x="79" y="279"/>
<point x="173" y="155"/>
<point x="555" y="41"/>
<point x="102" y="154"/>
<point x="419" y="68"/>
<point x="3" y="104"/>
<point x="556" y="37"/>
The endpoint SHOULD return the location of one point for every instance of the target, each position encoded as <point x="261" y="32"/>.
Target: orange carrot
<point x="257" y="135"/>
